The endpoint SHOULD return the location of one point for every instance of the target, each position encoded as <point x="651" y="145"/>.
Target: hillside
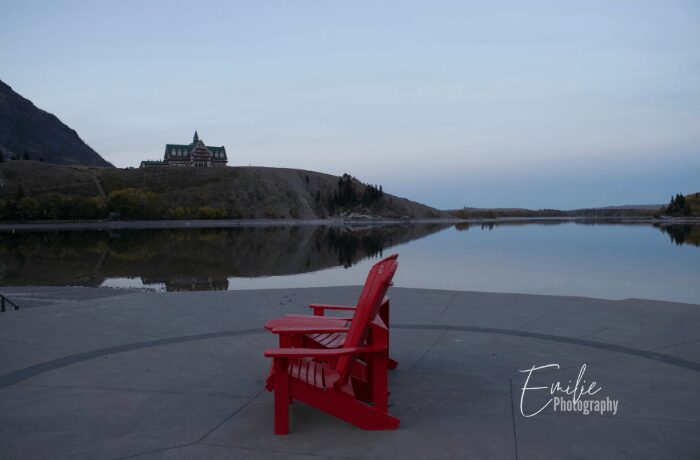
<point x="683" y="206"/>
<point x="693" y="201"/>
<point x="71" y="192"/>
<point x="26" y="130"/>
<point x="610" y="211"/>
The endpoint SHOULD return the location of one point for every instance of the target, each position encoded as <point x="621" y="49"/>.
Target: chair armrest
<point x="338" y="318"/>
<point x="304" y="321"/>
<point x="308" y="329"/>
<point x="331" y="307"/>
<point x="320" y="309"/>
<point x="319" y="352"/>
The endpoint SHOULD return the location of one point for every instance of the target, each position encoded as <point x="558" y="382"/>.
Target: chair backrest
<point x="374" y="272"/>
<point x="375" y="288"/>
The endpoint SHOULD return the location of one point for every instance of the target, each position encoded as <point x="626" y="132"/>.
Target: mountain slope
<point x="26" y="129"/>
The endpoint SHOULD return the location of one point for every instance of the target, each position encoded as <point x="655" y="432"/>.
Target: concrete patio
<point x="180" y="375"/>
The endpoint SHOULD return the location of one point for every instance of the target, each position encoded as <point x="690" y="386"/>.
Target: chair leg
<point x="270" y="381"/>
<point x="379" y="382"/>
<point x="281" y="396"/>
<point x="362" y="390"/>
<point x="346" y="407"/>
<point x="384" y="315"/>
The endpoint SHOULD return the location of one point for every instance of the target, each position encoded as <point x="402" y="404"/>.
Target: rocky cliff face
<point x="27" y="130"/>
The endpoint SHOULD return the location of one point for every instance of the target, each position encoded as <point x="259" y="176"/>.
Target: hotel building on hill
<point x="193" y="155"/>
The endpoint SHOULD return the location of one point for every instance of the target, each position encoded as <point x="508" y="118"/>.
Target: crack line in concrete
<point x="618" y="324"/>
<point x="165" y="449"/>
<point x="51" y="347"/>
<point x="32" y="371"/>
<point x="660" y="357"/>
<point x="512" y="416"/>
<point x="427" y="351"/>
<point x="269" y="302"/>
<point x="617" y="417"/>
<point x="132" y="390"/>
<point x="64" y="306"/>
<point x="89" y="317"/>
<point x="243" y="406"/>
<point x="193" y="315"/>
<point x="446" y="307"/>
<point x="277" y="451"/>
<point x="678" y="344"/>
<point x="532" y="320"/>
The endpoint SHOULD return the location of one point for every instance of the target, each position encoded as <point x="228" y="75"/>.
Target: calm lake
<point x="608" y="260"/>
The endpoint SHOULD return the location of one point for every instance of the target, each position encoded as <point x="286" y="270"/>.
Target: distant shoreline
<point x="233" y="223"/>
<point x="210" y="223"/>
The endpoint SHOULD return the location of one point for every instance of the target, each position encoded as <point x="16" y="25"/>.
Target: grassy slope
<point x="254" y="192"/>
<point x="694" y="201"/>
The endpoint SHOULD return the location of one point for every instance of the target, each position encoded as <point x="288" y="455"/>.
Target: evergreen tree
<point x="678" y="206"/>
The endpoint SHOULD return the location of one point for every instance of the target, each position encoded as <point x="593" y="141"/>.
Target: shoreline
<point x="223" y="223"/>
<point x="339" y="222"/>
<point x="30" y="297"/>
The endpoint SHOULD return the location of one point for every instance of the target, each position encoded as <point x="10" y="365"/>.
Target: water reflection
<point x="682" y="234"/>
<point x="192" y="259"/>
<point x="611" y="259"/>
<point x="678" y="233"/>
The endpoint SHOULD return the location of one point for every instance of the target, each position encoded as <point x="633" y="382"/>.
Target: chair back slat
<point x="369" y="282"/>
<point x="373" y="293"/>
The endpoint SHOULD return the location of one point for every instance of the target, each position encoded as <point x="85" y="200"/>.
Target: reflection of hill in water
<point x="491" y="224"/>
<point x="678" y="233"/>
<point x="682" y="234"/>
<point x="196" y="259"/>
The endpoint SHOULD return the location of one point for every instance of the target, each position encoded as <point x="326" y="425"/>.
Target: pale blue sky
<point x="531" y="104"/>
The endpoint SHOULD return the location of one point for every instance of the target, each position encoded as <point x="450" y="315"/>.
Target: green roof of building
<point x="189" y="147"/>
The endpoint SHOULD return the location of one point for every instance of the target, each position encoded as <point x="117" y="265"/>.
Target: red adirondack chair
<point x="323" y="378"/>
<point x="333" y="340"/>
